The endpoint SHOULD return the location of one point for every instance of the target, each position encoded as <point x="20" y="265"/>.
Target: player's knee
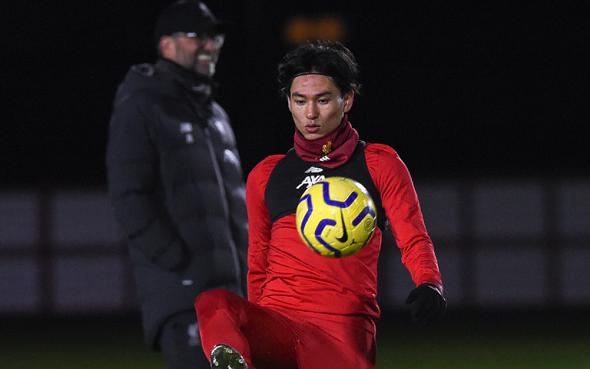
<point x="215" y="299"/>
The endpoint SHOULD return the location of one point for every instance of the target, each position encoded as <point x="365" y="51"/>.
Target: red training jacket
<point x="284" y="273"/>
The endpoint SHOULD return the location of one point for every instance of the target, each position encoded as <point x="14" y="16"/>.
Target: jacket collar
<point x="190" y="80"/>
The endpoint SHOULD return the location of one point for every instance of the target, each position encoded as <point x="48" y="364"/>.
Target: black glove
<point x="428" y="304"/>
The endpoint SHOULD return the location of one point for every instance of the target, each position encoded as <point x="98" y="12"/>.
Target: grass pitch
<point x="524" y="339"/>
<point x="463" y="339"/>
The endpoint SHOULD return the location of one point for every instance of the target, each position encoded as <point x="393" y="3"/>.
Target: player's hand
<point x="428" y="304"/>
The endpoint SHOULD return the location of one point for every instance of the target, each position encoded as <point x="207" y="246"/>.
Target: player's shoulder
<point x="264" y="168"/>
<point x="379" y="155"/>
<point x="268" y="163"/>
<point x="378" y="149"/>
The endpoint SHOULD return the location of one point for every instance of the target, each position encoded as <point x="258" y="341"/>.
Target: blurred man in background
<point x="176" y="183"/>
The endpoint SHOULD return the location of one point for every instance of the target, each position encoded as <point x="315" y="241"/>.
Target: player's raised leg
<point x="262" y="337"/>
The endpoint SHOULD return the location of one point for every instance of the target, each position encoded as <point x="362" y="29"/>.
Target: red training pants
<point x="271" y="338"/>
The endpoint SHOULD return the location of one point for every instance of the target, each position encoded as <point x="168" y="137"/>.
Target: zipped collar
<point x="190" y="80"/>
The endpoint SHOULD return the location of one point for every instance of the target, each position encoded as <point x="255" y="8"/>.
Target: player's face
<point x="317" y="105"/>
<point x="197" y="53"/>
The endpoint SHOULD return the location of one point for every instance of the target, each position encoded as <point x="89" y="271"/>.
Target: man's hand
<point x="428" y="304"/>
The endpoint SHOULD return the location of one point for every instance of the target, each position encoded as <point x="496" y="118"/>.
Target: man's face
<point x="196" y="53"/>
<point x="317" y="105"/>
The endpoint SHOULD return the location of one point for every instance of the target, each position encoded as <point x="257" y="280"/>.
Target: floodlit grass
<point x="463" y="339"/>
<point x="488" y="340"/>
<point x="75" y="343"/>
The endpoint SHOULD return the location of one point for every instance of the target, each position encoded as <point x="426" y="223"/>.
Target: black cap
<point x="187" y="16"/>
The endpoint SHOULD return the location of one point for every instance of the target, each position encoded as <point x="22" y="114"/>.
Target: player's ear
<point x="348" y="100"/>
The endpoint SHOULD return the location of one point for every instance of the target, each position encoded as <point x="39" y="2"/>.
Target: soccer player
<point x="305" y="310"/>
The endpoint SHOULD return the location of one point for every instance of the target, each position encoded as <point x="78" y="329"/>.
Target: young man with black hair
<point x="304" y="310"/>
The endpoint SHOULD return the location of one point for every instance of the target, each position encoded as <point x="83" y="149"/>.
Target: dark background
<point x="496" y="88"/>
<point x="460" y="89"/>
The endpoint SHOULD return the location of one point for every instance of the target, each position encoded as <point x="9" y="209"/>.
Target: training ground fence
<point x="499" y="242"/>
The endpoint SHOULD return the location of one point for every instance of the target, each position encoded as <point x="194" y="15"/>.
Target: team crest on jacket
<point x="186" y="128"/>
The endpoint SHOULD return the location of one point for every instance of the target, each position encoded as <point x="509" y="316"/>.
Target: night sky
<point x="458" y="89"/>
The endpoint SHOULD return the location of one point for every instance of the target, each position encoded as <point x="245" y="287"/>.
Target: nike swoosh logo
<point x="344" y="237"/>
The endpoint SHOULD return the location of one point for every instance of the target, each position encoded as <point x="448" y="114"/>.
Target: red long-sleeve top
<point x="284" y="273"/>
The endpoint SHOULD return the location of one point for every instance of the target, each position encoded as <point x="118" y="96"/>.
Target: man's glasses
<point x="202" y="39"/>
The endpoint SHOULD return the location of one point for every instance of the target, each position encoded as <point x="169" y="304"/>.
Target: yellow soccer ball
<point x="336" y="217"/>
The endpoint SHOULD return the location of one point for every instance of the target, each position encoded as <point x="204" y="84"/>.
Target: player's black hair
<point x="329" y="58"/>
